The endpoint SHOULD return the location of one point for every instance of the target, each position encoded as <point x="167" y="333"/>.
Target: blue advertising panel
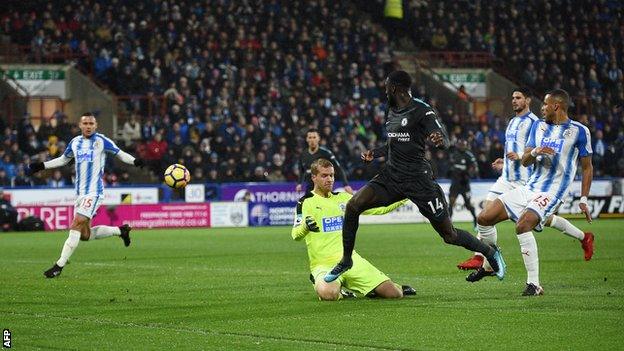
<point x="269" y="203"/>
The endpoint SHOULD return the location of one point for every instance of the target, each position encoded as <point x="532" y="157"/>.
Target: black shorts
<point x="424" y="192"/>
<point x="459" y="187"/>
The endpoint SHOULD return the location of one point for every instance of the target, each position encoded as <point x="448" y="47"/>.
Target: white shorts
<point x="521" y="199"/>
<point x="502" y="186"/>
<point x="87" y="205"/>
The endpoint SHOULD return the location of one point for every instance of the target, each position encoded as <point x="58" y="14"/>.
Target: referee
<point x="313" y="153"/>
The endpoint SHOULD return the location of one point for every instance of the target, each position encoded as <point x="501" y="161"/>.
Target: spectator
<point x="57" y="180"/>
<point x="4" y="179"/>
<point x="131" y="131"/>
<point x="21" y="179"/>
<point x="8" y="214"/>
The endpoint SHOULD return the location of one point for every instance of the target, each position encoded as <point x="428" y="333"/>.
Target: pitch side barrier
<point x="274" y="203"/>
<point x="254" y="204"/>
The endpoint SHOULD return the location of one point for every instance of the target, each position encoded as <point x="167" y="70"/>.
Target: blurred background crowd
<point x="243" y="80"/>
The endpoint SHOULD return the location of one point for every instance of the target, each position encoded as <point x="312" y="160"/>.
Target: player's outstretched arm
<point x="587" y="177"/>
<point x="384" y="210"/>
<point x="129" y="159"/>
<point x="54" y="163"/>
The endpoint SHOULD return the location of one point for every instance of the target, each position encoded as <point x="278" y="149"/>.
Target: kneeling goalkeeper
<point x="318" y="219"/>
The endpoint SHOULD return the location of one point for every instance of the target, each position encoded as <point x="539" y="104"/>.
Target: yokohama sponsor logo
<point x="400" y="136"/>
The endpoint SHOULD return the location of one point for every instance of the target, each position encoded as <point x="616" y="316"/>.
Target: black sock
<point x="349" y="229"/>
<point x="473" y="244"/>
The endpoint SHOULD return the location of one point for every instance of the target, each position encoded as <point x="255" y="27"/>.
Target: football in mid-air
<point x="177" y="176"/>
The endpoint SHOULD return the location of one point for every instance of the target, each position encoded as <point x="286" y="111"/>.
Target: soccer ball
<point x="177" y="176"/>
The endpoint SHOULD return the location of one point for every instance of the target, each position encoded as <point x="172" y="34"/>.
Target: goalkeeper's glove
<point x="34" y="168"/>
<point x="310" y="223"/>
<point x="139" y="162"/>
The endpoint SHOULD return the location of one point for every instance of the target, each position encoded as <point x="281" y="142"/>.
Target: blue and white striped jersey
<point x="516" y="136"/>
<point x="554" y="174"/>
<point x="90" y="157"/>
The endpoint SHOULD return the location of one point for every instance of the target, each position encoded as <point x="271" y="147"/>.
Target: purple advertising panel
<point x="269" y="203"/>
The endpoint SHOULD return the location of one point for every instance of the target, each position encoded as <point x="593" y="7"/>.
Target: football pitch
<point x="248" y="288"/>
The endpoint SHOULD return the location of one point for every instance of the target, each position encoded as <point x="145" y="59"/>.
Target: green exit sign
<point x="36" y="74"/>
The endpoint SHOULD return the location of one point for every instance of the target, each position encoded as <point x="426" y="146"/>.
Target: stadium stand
<point x="228" y="87"/>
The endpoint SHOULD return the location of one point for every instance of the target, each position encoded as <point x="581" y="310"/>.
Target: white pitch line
<point x="195" y="268"/>
<point x="169" y="328"/>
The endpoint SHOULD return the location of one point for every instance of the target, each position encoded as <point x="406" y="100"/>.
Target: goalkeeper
<point x="318" y="220"/>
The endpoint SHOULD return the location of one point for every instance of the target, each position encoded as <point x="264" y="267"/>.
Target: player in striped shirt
<point x="553" y="147"/>
<point x="89" y="151"/>
<point x="514" y="175"/>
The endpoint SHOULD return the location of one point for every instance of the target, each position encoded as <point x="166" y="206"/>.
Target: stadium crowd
<point x="242" y="81"/>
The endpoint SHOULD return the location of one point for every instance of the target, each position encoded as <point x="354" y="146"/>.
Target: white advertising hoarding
<point x="195" y="193"/>
<point x="229" y="214"/>
<point x="67" y="196"/>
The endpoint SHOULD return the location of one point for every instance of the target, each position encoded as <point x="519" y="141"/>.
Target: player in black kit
<point x="313" y="153"/>
<point x="408" y="174"/>
<point x="463" y="166"/>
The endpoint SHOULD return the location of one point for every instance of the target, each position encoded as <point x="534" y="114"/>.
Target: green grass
<point x="231" y="289"/>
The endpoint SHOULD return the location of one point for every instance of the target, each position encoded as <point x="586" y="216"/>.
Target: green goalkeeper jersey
<point x="325" y="246"/>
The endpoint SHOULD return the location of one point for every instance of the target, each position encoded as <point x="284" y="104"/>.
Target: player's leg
<point x="460" y="237"/>
<point x="79" y="230"/>
<point x="454" y="191"/>
<point x="429" y="198"/>
<point x="327" y="291"/>
<point x="104" y="231"/>
<point x="371" y="195"/>
<point x="88" y="207"/>
<point x="366" y="279"/>
<point x="567" y="228"/>
<point x="492" y="214"/>
<point x="389" y="290"/>
<point x="366" y="198"/>
<point x="539" y="208"/>
<point x="452" y="200"/>
<point x="528" y="247"/>
<point x="485" y="233"/>
<point x="488" y="235"/>
<point x="469" y="206"/>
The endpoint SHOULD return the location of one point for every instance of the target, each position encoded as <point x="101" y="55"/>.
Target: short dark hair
<point x="400" y="78"/>
<point x="87" y="114"/>
<point x="313" y="130"/>
<point x="562" y="96"/>
<point x="321" y="162"/>
<point x="524" y="91"/>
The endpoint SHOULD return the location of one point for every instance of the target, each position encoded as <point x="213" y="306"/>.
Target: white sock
<point x="68" y="248"/>
<point x="489" y="236"/>
<point x="566" y="227"/>
<point x="528" y="248"/>
<point x="103" y="231"/>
